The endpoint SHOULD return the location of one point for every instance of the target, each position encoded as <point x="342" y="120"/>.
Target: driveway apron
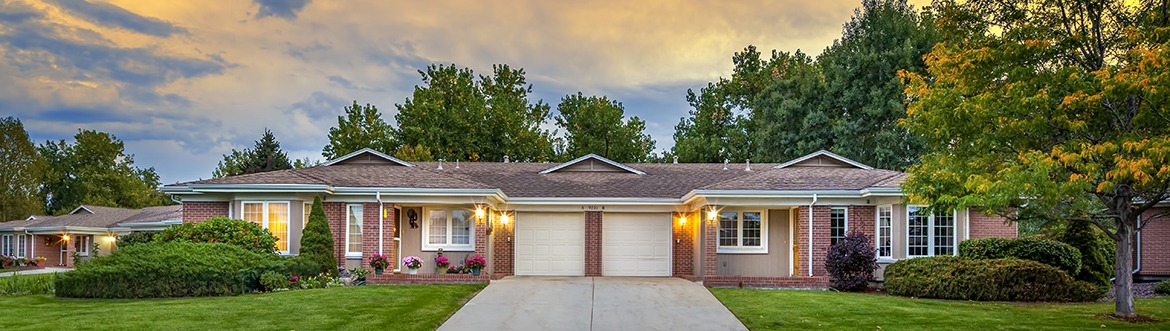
<point x="593" y="303"/>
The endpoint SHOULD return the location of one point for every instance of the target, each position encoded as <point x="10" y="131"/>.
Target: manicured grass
<point x="413" y="307"/>
<point x="818" y="310"/>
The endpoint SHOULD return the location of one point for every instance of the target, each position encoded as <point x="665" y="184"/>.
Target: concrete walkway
<point x="46" y="270"/>
<point x="593" y="303"/>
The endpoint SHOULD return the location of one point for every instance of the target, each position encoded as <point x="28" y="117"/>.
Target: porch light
<point x="479" y="213"/>
<point x="111" y="238"/>
<point x="682" y="220"/>
<point x="504" y="218"/>
<point x="711" y="214"/>
<point x="64" y="237"/>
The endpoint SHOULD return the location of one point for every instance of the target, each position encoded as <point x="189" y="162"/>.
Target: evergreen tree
<point x="317" y="240"/>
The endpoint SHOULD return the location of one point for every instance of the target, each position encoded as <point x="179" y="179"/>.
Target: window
<point x="272" y="216"/>
<point x="742" y="232"/>
<point x="6" y="249"/>
<point x="353" y="231"/>
<point x="82" y="244"/>
<point x="885" y="230"/>
<point x="929" y="234"/>
<point x="308" y="210"/>
<point x="21" y="245"/>
<point x="838" y="224"/>
<point x="449" y="229"/>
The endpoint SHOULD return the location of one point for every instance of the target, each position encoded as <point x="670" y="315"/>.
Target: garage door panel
<point x="636" y="244"/>
<point x="550" y="244"/>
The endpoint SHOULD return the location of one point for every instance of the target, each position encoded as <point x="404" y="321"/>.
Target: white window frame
<point x="739" y="248"/>
<point x="22" y="245"/>
<point x="264" y="220"/>
<point x="308" y="210"/>
<point x="6" y="246"/>
<point x="877" y="234"/>
<point x="845" y="232"/>
<point x="361" y="226"/>
<point x="426" y="231"/>
<point x="83" y="245"/>
<point x="930" y="234"/>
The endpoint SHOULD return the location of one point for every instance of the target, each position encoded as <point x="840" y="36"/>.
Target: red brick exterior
<point x="370" y="225"/>
<point x="335" y="213"/>
<point x="391" y="278"/>
<point x="994" y="226"/>
<point x="72" y="248"/>
<point x="503" y="258"/>
<point x="767" y="282"/>
<point x="861" y="220"/>
<point x="709" y="242"/>
<point x="481" y="240"/>
<point x="1155" y="243"/>
<point x="820" y="240"/>
<point x="684" y="250"/>
<point x="49" y="247"/>
<point x="593" y="243"/>
<point x="199" y="211"/>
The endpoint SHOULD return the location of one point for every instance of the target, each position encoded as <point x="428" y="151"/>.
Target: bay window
<point x="929" y="234"/>
<point x="450" y="229"/>
<point x="272" y="216"/>
<point x="742" y="232"/>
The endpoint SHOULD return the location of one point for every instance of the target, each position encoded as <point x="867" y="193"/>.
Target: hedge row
<point x="1050" y="252"/>
<point x="175" y="269"/>
<point x="961" y="278"/>
<point x="247" y="235"/>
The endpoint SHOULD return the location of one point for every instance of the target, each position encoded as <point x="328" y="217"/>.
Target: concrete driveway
<point x="593" y="303"/>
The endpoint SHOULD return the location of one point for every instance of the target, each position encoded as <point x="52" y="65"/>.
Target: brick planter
<point x="427" y="279"/>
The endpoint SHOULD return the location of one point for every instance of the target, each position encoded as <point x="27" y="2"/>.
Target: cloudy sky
<point x="184" y="81"/>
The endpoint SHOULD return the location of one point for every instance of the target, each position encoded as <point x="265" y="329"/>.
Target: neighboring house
<point x="726" y="224"/>
<point x="1153" y="253"/>
<point x="87" y="230"/>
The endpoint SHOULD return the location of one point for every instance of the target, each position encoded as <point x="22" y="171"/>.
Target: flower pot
<point x="442" y="270"/>
<point x="412" y="271"/>
<point x="378" y="271"/>
<point x="475" y="271"/>
<point x="40" y="264"/>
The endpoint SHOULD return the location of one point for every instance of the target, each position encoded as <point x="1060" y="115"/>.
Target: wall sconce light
<point x="64" y="237"/>
<point x="504" y="218"/>
<point x="682" y="220"/>
<point x="112" y="238"/>
<point x="479" y="213"/>
<point x="385" y="213"/>
<point x="711" y="214"/>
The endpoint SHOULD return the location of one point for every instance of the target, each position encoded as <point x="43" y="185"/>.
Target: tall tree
<point x="360" y="127"/>
<point x="790" y="113"/>
<point x="95" y="170"/>
<point x="20" y="182"/>
<point x="597" y="125"/>
<point x="414" y="153"/>
<point x="459" y="117"/>
<point x="861" y="74"/>
<point x="713" y="131"/>
<point x="1054" y="109"/>
<point x="264" y="156"/>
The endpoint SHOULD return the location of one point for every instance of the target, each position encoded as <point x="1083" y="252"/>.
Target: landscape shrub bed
<point x="247" y="235"/>
<point x="175" y="269"/>
<point x="851" y="263"/>
<point x="27" y="284"/>
<point x="1050" y="252"/>
<point x="961" y="278"/>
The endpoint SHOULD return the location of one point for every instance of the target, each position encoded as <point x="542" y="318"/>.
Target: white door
<point x="550" y="244"/>
<point x="636" y="244"/>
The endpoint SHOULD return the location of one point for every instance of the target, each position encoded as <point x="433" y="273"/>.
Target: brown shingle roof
<point x="102" y="217"/>
<point x="807" y="178"/>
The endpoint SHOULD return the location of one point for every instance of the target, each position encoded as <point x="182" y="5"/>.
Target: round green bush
<point x="272" y="281"/>
<point x="1050" y="252"/>
<point x="960" y="278"/>
<point x="247" y="235"/>
<point x="135" y="238"/>
<point x="1097" y="252"/>
<point x="1163" y="287"/>
<point x="176" y="269"/>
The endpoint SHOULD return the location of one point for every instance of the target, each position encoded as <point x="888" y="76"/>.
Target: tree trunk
<point x="1123" y="285"/>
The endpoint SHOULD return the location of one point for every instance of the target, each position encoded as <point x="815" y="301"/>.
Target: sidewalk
<point x="46" y="270"/>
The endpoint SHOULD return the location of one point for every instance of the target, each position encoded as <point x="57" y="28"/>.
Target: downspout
<point x="810" y="234"/>
<point x="381" y="219"/>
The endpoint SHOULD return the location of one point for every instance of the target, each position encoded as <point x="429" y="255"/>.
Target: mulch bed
<point x="1140" y="290"/>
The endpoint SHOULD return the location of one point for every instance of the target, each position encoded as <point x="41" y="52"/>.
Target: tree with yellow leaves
<point x="1048" y="109"/>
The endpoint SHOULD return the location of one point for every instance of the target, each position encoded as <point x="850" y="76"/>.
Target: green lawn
<point x="818" y="310"/>
<point x="408" y="307"/>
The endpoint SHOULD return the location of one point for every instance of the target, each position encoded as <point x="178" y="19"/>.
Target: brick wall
<point x="593" y="243"/>
<point x="335" y="213"/>
<point x="68" y="263"/>
<point x="370" y="223"/>
<point x="1155" y="243"/>
<point x="767" y="282"/>
<point x="710" y="238"/>
<point x="820" y="239"/>
<point x="993" y="226"/>
<point x="503" y="258"/>
<point x="199" y="211"/>
<point x="391" y="278"/>
<point x="861" y="220"/>
<point x="683" y="252"/>
<point x="481" y="239"/>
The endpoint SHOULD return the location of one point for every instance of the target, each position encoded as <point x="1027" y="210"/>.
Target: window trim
<point x="739" y="248"/>
<point x="930" y="228"/>
<point x="426" y="245"/>
<point x="83" y="245"/>
<point x="877" y="234"/>
<point x="22" y="245"/>
<point x="361" y="226"/>
<point x="844" y="233"/>
<point x="264" y="220"/>
<point x="6" y="245"/>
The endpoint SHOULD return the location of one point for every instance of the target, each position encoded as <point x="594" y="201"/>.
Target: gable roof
<point x="88" y="216"/>
<point x="823" y="154"/>
<point x="367" y="154"/>
<point x="592" y="157"/>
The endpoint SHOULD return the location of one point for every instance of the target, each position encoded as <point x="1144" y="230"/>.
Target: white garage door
<point x="550" y="244"/>
<point x="635" y="244"/>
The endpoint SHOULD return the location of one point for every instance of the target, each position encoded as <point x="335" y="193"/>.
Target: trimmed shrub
<point x="175" y="269"/>
<point x="137" y="237"/>
<point x="1097" y="252"/>
<point x="247" y="235"/>
<point x="317" y="242"/>
<point x="1050" y="252"/>
<point x="1163" y="287"/>
<point x="851" y="263"/>
<point x="27" y="284"/>
<point x="960" y="278"/>
<point x="272" y="281"/>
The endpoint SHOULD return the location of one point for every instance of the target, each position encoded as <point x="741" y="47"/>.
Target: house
<point x="85" y="231"/>
<point x="725" y="224"/>
<point x="1153" y="255"/>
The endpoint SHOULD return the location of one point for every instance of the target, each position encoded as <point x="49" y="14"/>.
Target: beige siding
<point x="899" y="232"/>
<point x="412" y="246"/>
<point x="591" y="165"/>
<point x="296" y="225"/>
<point x="822" y="161"/>
<point x="775" y="263"/>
